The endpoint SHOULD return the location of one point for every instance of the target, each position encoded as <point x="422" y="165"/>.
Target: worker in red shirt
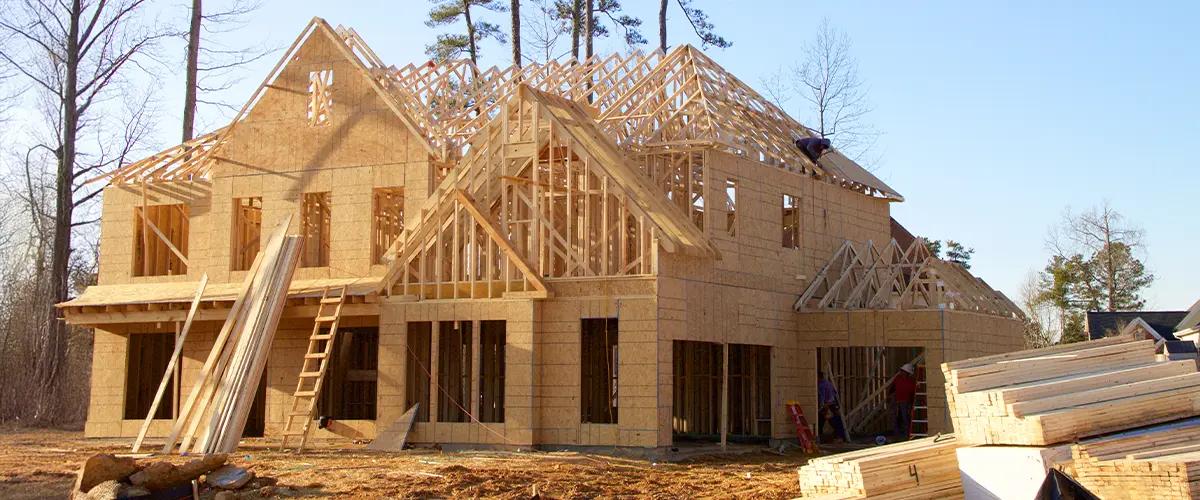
<point x="902" y="391"/>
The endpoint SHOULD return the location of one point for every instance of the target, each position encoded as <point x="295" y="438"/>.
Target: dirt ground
<point x="42" y="464"/>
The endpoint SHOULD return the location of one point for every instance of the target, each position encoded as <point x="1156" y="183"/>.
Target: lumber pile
<point x="1060" y="394"/>
<point x="224" y="390"/>
<point x="1161" y="462"/>
<point x="924" y="468"/>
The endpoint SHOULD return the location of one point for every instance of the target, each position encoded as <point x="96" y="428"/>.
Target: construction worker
<point x="903" y="390"/>
<point x="827" y="399"/>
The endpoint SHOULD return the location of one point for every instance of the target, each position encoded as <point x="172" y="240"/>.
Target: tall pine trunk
<point x="470" y="32"/>
<point x="662" y="26"/>
<point x="576" y="10"/>
<point x="588" y="27"/>
<point x="193" y="63"/>
<point x="516" y="32"/>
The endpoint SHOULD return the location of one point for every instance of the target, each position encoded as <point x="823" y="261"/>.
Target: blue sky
<point x="995" y="116"/>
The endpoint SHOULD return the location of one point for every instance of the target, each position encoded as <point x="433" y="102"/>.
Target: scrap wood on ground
<point x="43" y="464"/>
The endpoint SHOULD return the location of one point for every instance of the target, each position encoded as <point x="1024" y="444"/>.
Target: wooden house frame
<point x="582" y="204"/>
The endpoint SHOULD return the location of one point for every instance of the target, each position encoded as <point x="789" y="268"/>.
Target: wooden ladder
<point x="920" y="407"/>
<point x="316" y="363"/>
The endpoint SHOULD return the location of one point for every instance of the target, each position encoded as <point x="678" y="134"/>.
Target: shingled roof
<point x="1102" y="324"/>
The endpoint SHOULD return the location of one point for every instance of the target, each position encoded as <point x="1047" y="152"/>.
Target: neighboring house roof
<point x="1101" y="324"/>
<point x="1191" y="320"/>
<point x="901" y="235"/>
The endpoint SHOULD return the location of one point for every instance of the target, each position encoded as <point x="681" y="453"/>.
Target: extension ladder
<point x="316" y="363"/>
<point x="919" y="423"/>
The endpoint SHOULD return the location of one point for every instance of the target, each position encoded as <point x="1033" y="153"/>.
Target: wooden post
<point x="724" y="394"/>
<point x="435" y="346"/>
<point x="476" y="335"/>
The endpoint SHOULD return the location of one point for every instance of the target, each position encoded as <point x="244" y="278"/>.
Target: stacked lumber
<point x="1161" y="462"/>
<point x="224" y="390"/>
<point x="924" y="468"/>
<point x="1060" y="394"/>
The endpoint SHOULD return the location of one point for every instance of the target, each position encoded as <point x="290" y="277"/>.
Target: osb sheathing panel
<point x="105" y="415"/>
<point x="726" y="314"/>
<point x="274" y="153"/>
<point x="275" y="135"/>
<point x="118" y="229"/>
<point x="945" y="336"/>
<point x="519" y="419"/>
<point x="557" y="375"/>
<point x="755" y="257"/>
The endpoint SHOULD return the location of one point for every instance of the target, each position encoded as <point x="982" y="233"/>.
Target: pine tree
<point x="700" y="24"/>
<point x="934" y="247"/>
<point x="447" y="12"/>
<point x="574" y="13"/>
<point x="959" y="254"/>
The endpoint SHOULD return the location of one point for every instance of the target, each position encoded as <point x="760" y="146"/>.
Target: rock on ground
<point x="160" y="476"/>
<point x="104" y="467"/>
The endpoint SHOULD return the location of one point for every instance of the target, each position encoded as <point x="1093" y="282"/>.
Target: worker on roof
<point x="827" y="399"/>
<point x="902" y="391"/>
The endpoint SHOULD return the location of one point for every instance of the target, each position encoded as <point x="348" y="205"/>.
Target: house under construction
<point x="627" y="251"/>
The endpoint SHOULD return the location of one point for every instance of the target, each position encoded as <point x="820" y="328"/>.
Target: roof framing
<point x="900" y="278"/>
<point x="645" y="102"/>
<point x="557" y="197"/>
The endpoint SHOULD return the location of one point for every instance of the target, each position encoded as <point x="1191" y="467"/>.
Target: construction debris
<point x="924" y="468"/>
<point x="396" y="435"/>
<point x="1060" y="394"/>
<point x="102" y="468"/>
<point x="160" y="476"/>
<point x="229" y="477"/>
<point x="106" y="476"/>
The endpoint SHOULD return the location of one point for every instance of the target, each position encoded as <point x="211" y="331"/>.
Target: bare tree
<point x="77" y="55"/>
<point x="543" y="28"/>
<point x="211" y="66"/>
<point x="1041" y="317"/>
<point x="1104" y="249"/>
<point x="833" y="96"/>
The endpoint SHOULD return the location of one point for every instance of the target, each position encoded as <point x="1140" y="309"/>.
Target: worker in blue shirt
<point x="827" y="400"/>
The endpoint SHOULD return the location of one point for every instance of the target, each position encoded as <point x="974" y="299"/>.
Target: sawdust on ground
<point x="42" y="464"/>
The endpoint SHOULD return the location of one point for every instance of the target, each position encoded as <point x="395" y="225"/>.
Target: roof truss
<point x="645" y="102"/>
<point x="899" y="278"/>
<point x="555" y="191"/>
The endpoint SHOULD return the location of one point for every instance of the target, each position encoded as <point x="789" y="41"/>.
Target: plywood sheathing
<point x="518" y="315"/>
<point x="197" y="158"/>
<point x="106" y="411"/>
